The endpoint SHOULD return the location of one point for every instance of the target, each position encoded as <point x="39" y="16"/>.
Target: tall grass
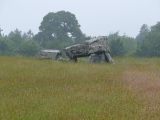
<point x="37" y="89"/>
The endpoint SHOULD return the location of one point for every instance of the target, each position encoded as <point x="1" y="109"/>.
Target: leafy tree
<point x="16" y="37"/>
<point x="15" y="43"/>
<point x="42" y="39"/>
<point x="6" y="46"/>
<point x="154" y="38"/>
<point x="29" y="48"/>
<point x="130" y="44"/>
<point x="144" y="31"/>
<point x="150" y="46"/>
<point x="28" y="36"/>
<point x="117" y="48"/>
<point x="62" y="26"/>
<point x="113" y="36"/>
<point x="156" y="28"/>
<point x="25" y="36"/>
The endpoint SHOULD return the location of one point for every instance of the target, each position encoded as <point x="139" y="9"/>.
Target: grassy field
<point x="36" y="89"/>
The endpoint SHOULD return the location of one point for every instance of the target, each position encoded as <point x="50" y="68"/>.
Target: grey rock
<point x="97" y="49"/>
<point x="49" y="54"/>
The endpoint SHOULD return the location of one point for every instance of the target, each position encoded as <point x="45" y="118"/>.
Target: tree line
<point x="61" y="29"/>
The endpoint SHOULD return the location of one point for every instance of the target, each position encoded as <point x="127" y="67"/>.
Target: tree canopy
<point x="117" y="47"/>
<point x="121" y="45"/>
<point x="150" y="46"/>
<point x="144" y="30"/>
<point x="62" y="26"/>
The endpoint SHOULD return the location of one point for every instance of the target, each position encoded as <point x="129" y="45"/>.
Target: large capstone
<point x="97" y="48"/>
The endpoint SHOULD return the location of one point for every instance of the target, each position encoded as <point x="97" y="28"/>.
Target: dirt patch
<point x="146" y="84"/>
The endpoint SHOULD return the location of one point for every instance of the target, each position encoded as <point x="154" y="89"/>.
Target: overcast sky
<point x="96" y="17"/>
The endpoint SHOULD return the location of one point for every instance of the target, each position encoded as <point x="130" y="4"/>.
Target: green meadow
<point x="38" y="89"/>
